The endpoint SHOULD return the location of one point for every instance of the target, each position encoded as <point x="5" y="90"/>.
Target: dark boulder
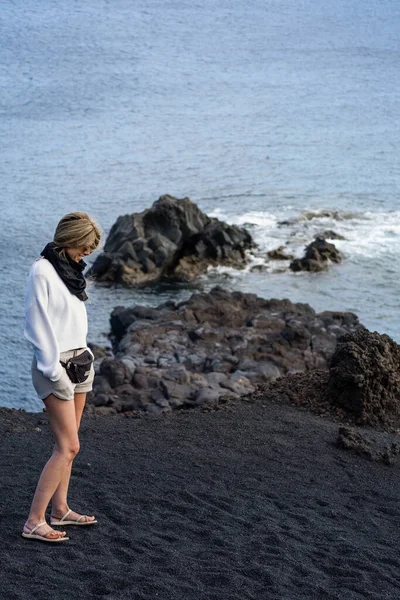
<point x="358" y="384"/>
<point x="364" y="377"/>
<point x="173" y="240"/>
<point x="115" y="371"/>
<point x="317" y="256"/>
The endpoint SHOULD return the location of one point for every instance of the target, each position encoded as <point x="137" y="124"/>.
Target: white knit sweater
<point x="55" y="319"/>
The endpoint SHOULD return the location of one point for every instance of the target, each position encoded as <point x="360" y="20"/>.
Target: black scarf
<point x="69" y="270"/>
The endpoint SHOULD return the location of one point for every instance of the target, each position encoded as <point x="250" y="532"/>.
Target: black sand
<point x="250" y="502"/>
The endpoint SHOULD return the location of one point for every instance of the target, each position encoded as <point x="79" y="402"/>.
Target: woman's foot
<point x="70" y="517"/>
<point x="44" y="531"/>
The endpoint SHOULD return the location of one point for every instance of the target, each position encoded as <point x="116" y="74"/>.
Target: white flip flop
<point x="63" y="521"/>
<point x="36" y="536"/>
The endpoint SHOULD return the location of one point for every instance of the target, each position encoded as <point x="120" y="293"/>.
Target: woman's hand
<point x="64" y="386"/>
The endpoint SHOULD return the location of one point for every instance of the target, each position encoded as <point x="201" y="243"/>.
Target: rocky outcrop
<point x="317" y="256"/>
<point x="173" y="240"/>
<point x="213" y="346"/>
<point x="364" y="378"/>
<point x="360" y="386"/>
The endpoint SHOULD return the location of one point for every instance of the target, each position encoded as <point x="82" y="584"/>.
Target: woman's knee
<point x="74" y="448"/>
<point x="68" y="449"/>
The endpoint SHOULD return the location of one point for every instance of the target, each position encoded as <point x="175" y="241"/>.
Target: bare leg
<point x="59" y="503"/>
<point x="63" y="423"/>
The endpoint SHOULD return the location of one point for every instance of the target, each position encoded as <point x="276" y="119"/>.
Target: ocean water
<point x="260" y="111"/>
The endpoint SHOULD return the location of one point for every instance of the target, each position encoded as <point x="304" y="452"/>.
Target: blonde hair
<point x="77" y="230"/>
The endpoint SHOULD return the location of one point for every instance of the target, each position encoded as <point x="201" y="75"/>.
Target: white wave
<point x="217" y="213"/>
<point x="262" y="225"/>
<point x="370" y="234"/>
<point x="262" y="219"/>
<point x="254" y="260"/>
<point x="253" y="218"/>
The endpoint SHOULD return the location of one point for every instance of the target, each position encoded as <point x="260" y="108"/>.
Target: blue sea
<point x="260" y="111"/>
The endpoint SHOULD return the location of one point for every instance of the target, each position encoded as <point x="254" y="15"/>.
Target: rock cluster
<point x="317" y="256"/>
<point x="173" y="240"/>
<point x="212" y="346"/>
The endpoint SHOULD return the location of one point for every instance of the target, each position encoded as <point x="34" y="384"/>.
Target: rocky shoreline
<point x="222" y="346"/>
<point x="213" y="346"/>
<point x="174" y="241"/>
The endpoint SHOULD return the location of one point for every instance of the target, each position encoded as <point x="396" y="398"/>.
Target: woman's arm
<point x="38" y="329"/>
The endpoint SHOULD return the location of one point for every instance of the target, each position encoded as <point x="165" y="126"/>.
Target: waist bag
<point x="78" y="367"/>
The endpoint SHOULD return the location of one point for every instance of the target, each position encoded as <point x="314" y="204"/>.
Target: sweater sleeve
<point x="38" y="329"/>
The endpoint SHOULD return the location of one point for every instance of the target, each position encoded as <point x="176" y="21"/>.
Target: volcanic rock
<point x="317" y="256"/>
<point x="173" y="240"/>
<point x="364" y="378"/>
<point x="361" y="386"/>
<point x="214" y="345"/>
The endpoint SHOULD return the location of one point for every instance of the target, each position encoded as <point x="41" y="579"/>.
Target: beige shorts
<point x="63" y="388"/>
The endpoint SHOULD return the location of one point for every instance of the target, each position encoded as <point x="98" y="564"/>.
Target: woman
<point x="56" y="325"/>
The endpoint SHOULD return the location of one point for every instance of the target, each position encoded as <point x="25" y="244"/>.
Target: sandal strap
<point x="66" y="515"/>
<point x="36" y="527"/>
